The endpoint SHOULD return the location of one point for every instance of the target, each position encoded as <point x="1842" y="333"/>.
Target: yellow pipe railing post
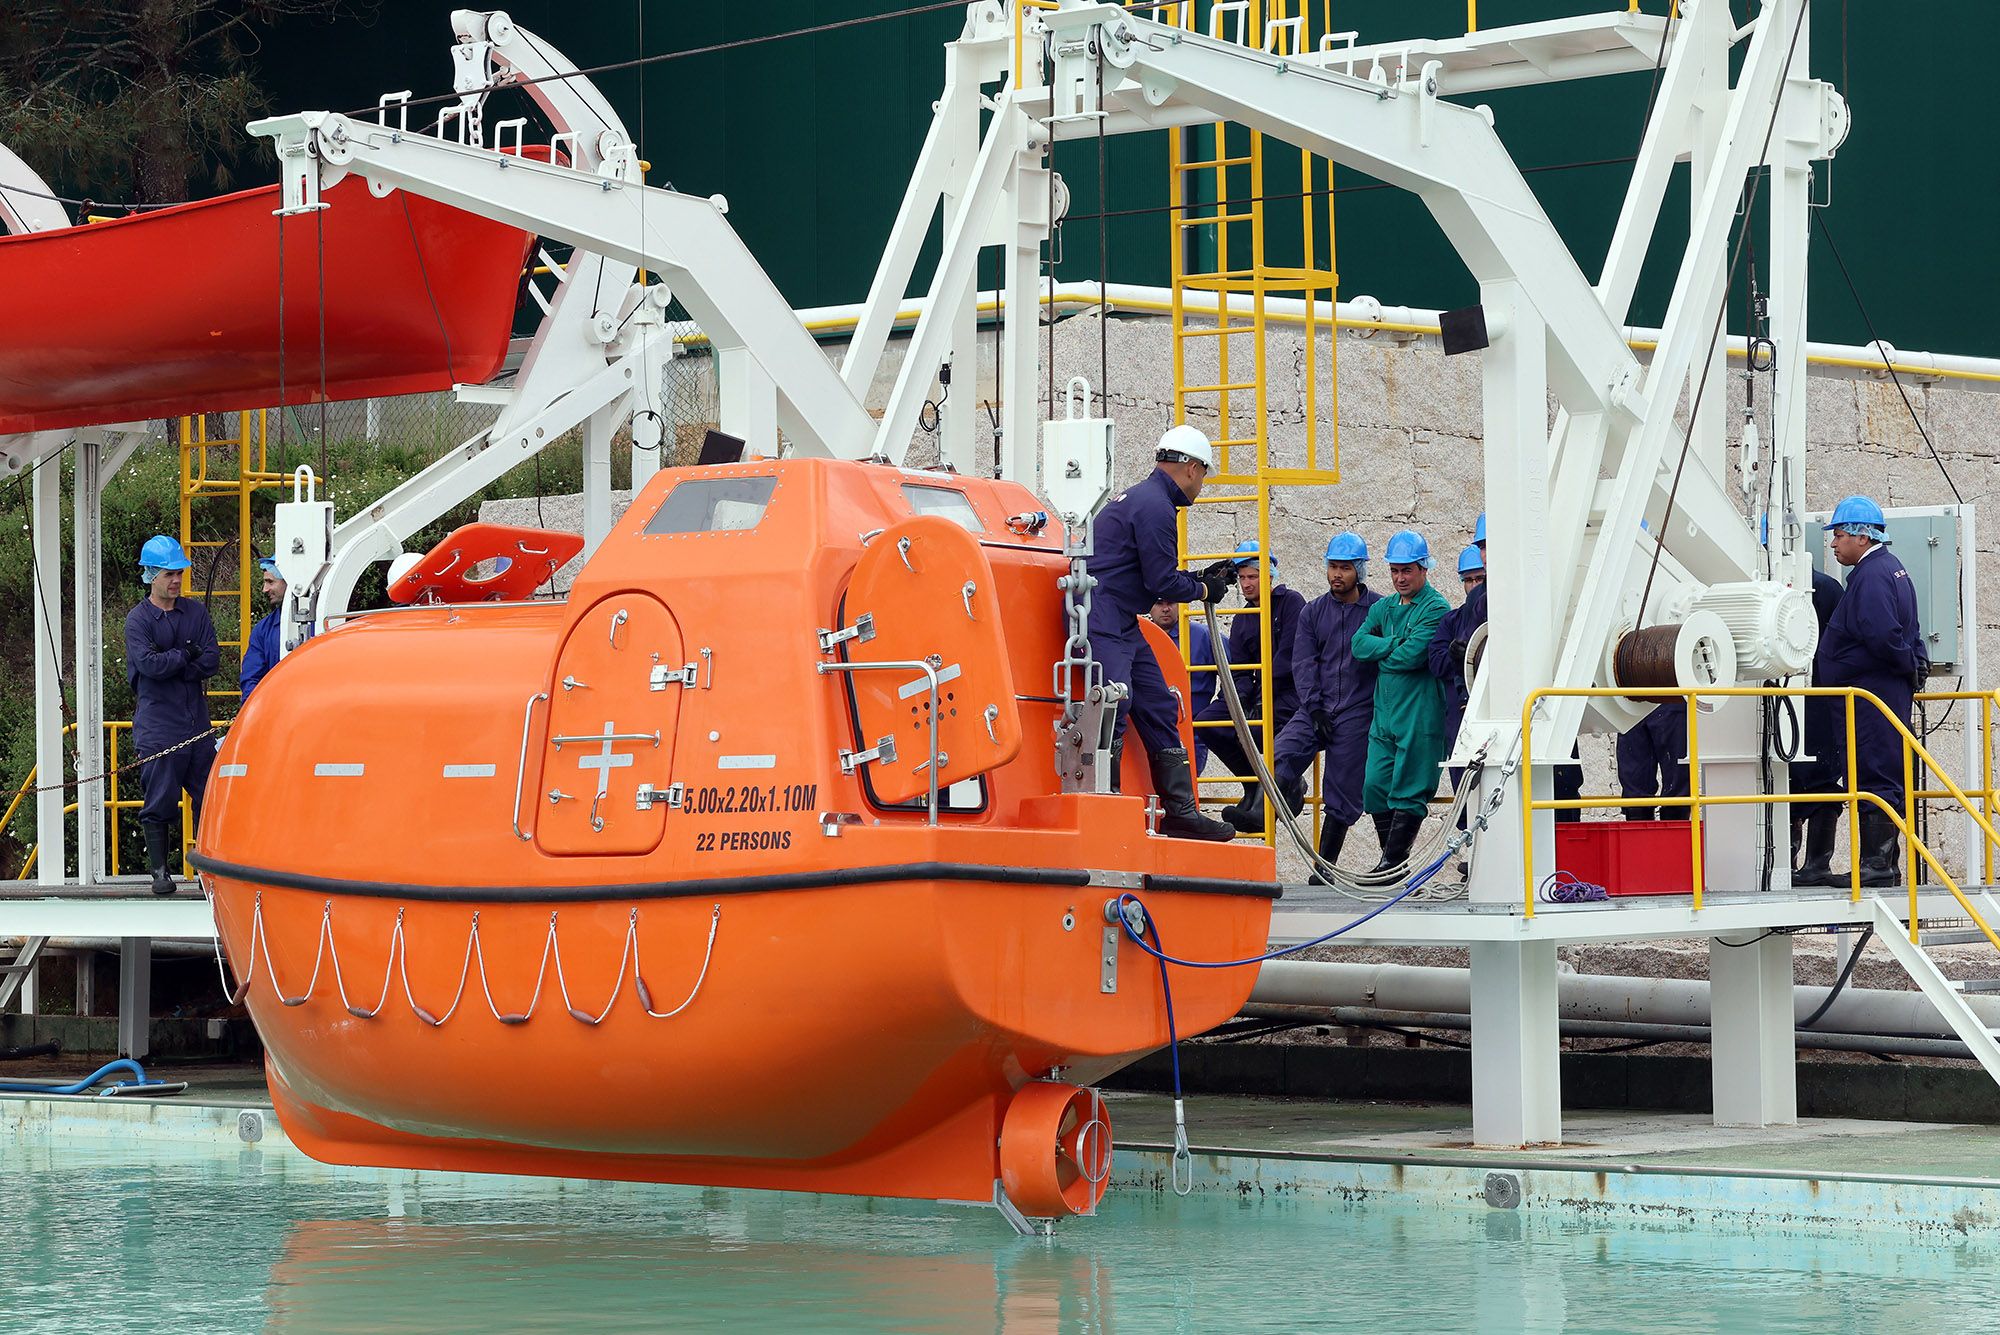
<point x="1853" y="811"/>
<point x="1694" y="797"/>
<point x="1910" y="824"/>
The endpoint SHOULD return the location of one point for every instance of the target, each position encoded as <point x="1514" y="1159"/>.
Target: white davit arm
<point x="681" y="237"/>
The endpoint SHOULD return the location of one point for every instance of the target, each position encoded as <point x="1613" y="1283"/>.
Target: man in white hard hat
<point x="1136" y="565"/>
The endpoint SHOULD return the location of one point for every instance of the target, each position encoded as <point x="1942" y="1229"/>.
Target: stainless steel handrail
<point x="930" y="675"/>
<point x="521" y="765"/>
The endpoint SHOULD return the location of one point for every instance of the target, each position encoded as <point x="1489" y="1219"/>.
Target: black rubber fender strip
<point x="1208" y="885"/>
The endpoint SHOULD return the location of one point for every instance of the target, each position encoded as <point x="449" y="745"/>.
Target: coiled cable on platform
<point x="1375" y="886"/>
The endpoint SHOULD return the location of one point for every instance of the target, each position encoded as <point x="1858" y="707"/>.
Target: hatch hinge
<point x="649" y="797"/>
<point x="882" y="753"/>
<point x="861" y="631"/>
<point x="664" y="676"/>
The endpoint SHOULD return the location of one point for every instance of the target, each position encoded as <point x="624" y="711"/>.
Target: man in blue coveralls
<point x="170" y="653"/>
<point x="1135" y="563"/>
<point x="261" y="650"/>
<point x="1283" y="607"/>
<point x="1815" y="824"/>
<point x="1336" y="698"/>
<point x="1873" y="642"/>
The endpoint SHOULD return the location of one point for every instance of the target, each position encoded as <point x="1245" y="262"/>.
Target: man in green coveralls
<point x="1406" y="742"/>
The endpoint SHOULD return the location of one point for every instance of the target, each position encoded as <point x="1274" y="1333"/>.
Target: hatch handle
<point x="618" y="619"/>
<point x="903" y="550"/>
<point x="557" y="741"/>
<point x="885" y="752"/>
<point x="966" y="591"/>
<point x="521" y="766"/>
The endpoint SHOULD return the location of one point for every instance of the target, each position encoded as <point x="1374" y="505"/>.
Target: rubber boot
<point x="1819" y="824"/>
<point x="1332" y="835"/>
<point x="1879" y="849"/>
<point x="1403" y="827"/>
<point x="1181" y="818"/>
<point x="157" y="845"/>
<point x="1247" y="812"/>
<point x="1384" y="823"/>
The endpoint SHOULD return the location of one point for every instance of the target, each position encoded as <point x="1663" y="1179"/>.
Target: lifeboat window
<point x="952" y="504"/>
<point x="714" y="505"/>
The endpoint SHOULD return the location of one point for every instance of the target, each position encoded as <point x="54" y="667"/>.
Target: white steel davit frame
<point x="1568" y="555"/>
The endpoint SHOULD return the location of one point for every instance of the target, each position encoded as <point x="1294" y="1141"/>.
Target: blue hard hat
<point x="1860" y="515"/>
<point x="1479" y="529"/>
<point x="161" y="552"/>
<point x="1347" y="547"/>
<point x="268" y="564"/>
<point x="1246" y="554"/>
<point x="1408" y="548"/>
<point x="1469" y="560"/>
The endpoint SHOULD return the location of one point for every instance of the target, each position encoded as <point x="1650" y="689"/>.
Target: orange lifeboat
<point x="745" y="865"/>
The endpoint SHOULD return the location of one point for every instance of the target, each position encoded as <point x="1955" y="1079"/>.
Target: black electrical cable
<point x="1846" y="972"/>
<point x="640" y="62"/>
<point x="1881" y="350"/>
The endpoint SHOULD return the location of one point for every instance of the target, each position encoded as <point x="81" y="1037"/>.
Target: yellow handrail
<point x="1903" y="820"/>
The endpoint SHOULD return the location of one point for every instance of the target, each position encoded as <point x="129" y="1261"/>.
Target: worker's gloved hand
<point x="1458" y="648"/>
<point x="1216" y="579"/>
<point x="1323" y="727"/>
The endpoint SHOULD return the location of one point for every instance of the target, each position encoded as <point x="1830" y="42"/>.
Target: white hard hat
<point x="1188" y="442"/>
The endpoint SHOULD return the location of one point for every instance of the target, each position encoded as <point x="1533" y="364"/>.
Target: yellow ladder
<point x="221" y="473"/>
<point x="1224" y="286"/>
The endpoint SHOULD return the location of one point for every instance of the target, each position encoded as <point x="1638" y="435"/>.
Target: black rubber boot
<point x="1879" y="849"/>
<point x="1332" y="836"/>
<point x="157" y="845"/>
<point x="1403" y="827"/>
<point x="1385" y="827"/>
<point x="1820" y="825"/>
<point x="1181" y="818"/>
<point x="1247" y="812"/>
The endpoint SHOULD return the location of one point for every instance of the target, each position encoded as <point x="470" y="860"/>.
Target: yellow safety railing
<point x="1986" y="792"/>
<point x="1904" y="820"/>
<point x="115" y="803"/>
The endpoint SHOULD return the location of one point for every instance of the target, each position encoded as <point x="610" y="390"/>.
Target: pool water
<point x="157" y="1238"/>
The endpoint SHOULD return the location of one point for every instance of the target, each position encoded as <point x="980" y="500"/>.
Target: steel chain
<point x="128" y="765"/>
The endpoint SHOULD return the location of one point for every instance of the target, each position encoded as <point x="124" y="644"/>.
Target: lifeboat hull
<point x="646" y="884"/>
<point x="859" y="1037"/>
<point x="405" y="294"/>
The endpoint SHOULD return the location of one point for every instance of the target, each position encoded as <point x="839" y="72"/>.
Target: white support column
<point x="1025" y="218"/>
<point x="1516" y="1048"/>
<point x="135" y="996"/>
<point x="1515" y="373"/>
<point x="30" y="994"/>
<point x="87" y="526"/>
<point x="86" y="982"/>
<point x="1752" y="1054"/>
<point x="597" y="429"/>
<point x="749" y="401"/>
<point x="46" y="544"/>
<point x="961" y="133"/>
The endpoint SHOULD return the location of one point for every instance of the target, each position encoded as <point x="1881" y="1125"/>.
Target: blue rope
<point x="1158" y="951"/>
<point x="122" y="1064"/>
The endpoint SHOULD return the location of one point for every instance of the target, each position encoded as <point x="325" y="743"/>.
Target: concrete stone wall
<point x="1410" y="443"/>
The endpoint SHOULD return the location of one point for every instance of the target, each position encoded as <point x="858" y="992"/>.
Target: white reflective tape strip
<point x="468" y="771"/>
<point x="922" y="684"/>
<point x="746" y="762"/>
<point x="327" y="771"/>
<point x="231" y="771"/>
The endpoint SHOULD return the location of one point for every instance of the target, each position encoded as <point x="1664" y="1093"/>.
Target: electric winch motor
<point x="1772" y="624"/>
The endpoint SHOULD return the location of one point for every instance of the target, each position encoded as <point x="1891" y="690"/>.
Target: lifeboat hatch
<point x="613" y="705"/>
<point x="929" y="594"/>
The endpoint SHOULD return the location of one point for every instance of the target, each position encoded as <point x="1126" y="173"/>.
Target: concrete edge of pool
<point x="1671" y="1195"/>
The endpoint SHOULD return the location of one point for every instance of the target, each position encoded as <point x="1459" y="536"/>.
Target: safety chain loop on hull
<point x="396" y="965"/>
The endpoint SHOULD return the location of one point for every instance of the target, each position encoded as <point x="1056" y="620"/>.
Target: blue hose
<point x="1182" y="1157"/>
<point x="83" y="1085"/>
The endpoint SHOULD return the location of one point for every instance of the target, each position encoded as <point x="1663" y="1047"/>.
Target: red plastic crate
<point x="1628" y="857"/>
